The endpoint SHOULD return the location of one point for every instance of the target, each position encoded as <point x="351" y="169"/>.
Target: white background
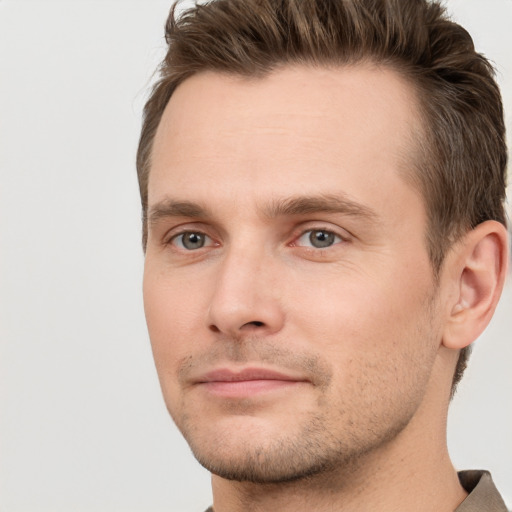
<point x="82" y="423"/>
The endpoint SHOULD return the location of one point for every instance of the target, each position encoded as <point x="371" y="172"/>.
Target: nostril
<point x="256" y="323"/>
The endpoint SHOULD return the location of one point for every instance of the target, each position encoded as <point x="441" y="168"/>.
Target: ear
<point x="479" y="268"/>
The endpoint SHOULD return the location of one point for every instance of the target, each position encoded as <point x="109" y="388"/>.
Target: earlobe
<point x="481" y="268"/>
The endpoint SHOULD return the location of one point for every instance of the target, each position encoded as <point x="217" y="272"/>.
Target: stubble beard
<point x="313" y="454"/>
<point x="315" y="448"/>
<point x="311" y="448"/>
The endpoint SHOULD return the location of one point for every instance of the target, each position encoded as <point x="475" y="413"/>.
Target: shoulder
<point x="483" y="495"/>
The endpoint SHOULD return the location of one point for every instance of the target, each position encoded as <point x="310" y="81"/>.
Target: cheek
<point x="378" y="339"/>
<point x="171" y="317"/>
<point x="357" y="312"/>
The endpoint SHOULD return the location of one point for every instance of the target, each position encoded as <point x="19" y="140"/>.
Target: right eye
<point x="191" y="240"/>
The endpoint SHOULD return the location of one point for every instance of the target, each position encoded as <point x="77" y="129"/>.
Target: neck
<point x="411" y="472"/>
<point x="422" y="483"/>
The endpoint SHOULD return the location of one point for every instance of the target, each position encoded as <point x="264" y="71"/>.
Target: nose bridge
<point x="243" y="298"/>
<point x="242" y="265"/>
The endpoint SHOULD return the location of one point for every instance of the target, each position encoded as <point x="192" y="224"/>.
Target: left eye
<point x="191" y="240"/>
<point x="318" y="238"/>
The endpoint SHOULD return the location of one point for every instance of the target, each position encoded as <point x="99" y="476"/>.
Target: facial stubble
<point x="312" y="443"/>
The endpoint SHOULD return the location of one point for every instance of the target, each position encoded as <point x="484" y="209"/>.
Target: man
<point x="322" y="186"/>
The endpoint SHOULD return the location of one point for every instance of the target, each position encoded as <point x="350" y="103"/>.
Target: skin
<point x="342" y="355"/>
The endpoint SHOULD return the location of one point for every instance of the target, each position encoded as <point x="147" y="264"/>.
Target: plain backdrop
<point x="83" y="426"/>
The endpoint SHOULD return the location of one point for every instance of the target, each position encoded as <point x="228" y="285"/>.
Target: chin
<point x="264" y="464"/>
<point x="250" y="451"/>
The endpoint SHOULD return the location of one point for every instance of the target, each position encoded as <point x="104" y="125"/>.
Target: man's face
<point x="288" y="292"/>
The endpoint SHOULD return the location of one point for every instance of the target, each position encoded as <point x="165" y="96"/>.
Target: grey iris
<point x="193" y="240"/>
<point x="321" y="239"/>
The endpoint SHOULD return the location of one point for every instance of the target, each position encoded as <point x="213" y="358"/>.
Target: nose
<point x="246" y="296"/>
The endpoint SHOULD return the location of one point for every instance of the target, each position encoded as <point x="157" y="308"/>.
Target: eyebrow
<point x="325" y="203"/>
<point x="286" y="207"/>
<point x="170" y="208"/>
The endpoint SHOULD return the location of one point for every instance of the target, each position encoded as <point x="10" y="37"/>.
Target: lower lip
<point x="246" y="388"/>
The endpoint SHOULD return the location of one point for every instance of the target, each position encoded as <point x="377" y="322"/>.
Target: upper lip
<point x="246" y="374"/>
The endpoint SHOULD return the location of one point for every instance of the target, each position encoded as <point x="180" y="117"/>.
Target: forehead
<point x="297" y="127"/>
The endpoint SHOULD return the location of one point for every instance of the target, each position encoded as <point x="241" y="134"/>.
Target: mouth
<point x="247" y="382"/>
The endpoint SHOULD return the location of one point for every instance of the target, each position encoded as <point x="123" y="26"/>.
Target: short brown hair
<point x="460" y="169"/>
